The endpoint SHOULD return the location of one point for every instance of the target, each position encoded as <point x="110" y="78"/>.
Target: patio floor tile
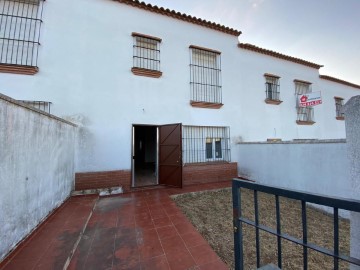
<point x="166" y="232"/>
<point x="140" y="230"/>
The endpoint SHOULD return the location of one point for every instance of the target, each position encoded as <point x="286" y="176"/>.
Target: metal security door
<point x="170" y="155"/>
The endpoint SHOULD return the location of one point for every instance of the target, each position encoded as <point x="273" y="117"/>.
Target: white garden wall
<point x="36" y="168"/>
<point x="317" y="167"/>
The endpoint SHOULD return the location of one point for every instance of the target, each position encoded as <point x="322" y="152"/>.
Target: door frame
<point x="133" y="152"/>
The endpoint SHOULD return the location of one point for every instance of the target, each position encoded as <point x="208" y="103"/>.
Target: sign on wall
<point x="310" y="99"/>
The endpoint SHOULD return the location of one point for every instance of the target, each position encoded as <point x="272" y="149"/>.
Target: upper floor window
<point x="146" y="55"/>
<point x="272" y="89"/>
<point x="205" y="78"/>
<point x="305" y="115"/>
<point x="339" y="105"/>
<point x="20" y="22"/>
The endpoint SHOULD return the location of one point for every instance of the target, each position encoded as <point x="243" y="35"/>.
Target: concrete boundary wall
<point x="352" y="118"/>
<point x="36" y="168"/>
<point x="316" y="166"/>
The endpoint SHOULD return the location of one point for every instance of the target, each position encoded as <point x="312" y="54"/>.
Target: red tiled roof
<point x="329" y="78"/>
<point x="254" y="48"/>
<point x="181" y="16"/>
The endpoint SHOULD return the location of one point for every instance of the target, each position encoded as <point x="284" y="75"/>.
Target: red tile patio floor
<point x="139" y="230"/>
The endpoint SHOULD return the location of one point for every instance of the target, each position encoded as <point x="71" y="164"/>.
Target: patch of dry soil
<point x="211" y="213"/>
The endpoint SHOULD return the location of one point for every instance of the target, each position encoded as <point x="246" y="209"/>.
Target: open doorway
<point x="144" y="155"/>
<point x="157" y="155"/>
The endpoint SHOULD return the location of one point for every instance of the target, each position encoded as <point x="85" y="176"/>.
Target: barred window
<point x="206" y="144"/>
<point x="305" y="115"/>
<point x="339" y="105"/>
<point x="146" y="55"/>
<point x="40" y="105"/>
<point x="272" y="87"/>
<point x="20" y="22"/>
<point x="205" y="77"/>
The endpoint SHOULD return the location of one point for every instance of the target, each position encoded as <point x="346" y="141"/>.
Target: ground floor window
<point x="206" y="144"/>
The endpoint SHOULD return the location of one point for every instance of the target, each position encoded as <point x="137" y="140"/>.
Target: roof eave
<point x="254" y="48"/>
<point x="181" y="16"/>
<point x="333" y="79"/>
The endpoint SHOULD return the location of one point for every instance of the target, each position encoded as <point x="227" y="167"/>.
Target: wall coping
<point x="208" y="163"/>
<point x="299" y="141"/>
<point x="28" y="107"/>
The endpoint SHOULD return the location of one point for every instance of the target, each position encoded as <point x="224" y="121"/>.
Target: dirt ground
<point x="211" y="213"/>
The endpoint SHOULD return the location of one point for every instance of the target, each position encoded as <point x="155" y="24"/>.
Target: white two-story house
<point x="159" y="97"/>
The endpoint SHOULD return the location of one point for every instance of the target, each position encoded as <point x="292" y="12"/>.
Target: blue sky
<point x="325" y="32"/>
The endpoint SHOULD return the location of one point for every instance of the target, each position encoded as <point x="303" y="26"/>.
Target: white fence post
<point x="352" y="117"/>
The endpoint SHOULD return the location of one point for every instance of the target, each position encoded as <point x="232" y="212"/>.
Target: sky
<point x="326" y="32"/>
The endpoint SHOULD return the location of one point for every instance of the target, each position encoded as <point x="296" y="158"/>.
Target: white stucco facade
<point x="85" y="62"/>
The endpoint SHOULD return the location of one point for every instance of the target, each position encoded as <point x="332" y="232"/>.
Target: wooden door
<point x="170" y="155"/>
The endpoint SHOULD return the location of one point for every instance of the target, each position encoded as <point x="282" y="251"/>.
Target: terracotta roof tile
<point x="254" y="48"/>
<point x="325" y="77"/>
<point x="181" y="16"/>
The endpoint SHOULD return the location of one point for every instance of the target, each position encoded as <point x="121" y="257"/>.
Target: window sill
<point x="146" y="72"/>
<point x="273" y="101"/>
<point x="340" y="118"/>
<point x="207" y="105"/>
<point x="305" y="123"/>
<point x="18" y="69"/>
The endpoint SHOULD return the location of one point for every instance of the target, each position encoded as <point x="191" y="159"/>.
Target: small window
<point x="218" y="148"/>
<point x="205" y="78"/>
<point x="339" y="106"/>
<point x="206" y="144"/>
<point x="209" y="148"/>
<point x="19" y="35"/>
<point x="272" y="89"/>
<point x="146" y="56"/>
<point x="305" y="115"/>
<point x="213" y="148"/>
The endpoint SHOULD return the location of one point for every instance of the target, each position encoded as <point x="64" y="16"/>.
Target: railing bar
<point x="304" y="229"/>
<point x="22" y="17"/>
<point x="346" y="204"/>
<point x="300" y="242"/>
<point x="257" y="229"/>
<point x="278" y="231"/>
<point x="238" y="239"/>
<point x="336" y="238"/>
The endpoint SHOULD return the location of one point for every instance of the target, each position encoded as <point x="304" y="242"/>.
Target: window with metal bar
<point x="146" y="55"/>
<point x="339" y="105"/>
<point x="40" y="105"/>
<point x="272" y="88"/>
<point x="20" y="22"/>
<point x="305" y="115"/>
<point x="206" y="144"/>
<point x="205" y="76"/>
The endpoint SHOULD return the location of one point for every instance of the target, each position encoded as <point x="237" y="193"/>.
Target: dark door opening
<point x="144" y="156"/>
